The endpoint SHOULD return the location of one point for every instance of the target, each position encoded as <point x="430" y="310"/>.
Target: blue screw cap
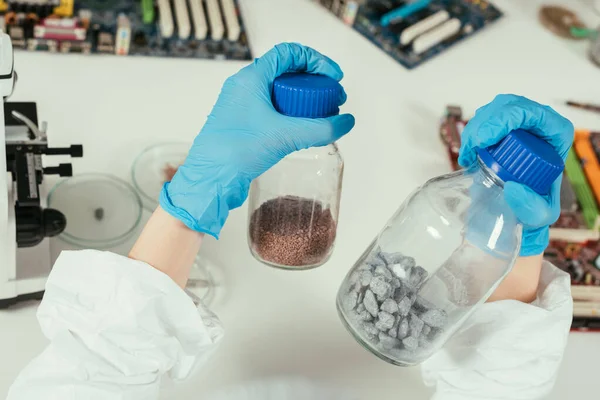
<point x="525" y="158"/>
<point x="306" y="95"/>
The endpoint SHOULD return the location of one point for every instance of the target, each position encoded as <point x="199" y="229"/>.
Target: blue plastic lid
<point x="306" y="95"/>
<point x="525" y="158"/>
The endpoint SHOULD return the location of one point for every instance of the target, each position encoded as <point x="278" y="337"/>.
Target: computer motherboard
<point x="413" y="32"/>
<point x="211" y="29"/>
<point x="575" y="238"/>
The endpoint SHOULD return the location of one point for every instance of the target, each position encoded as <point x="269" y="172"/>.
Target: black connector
<point x="75" y="150"/>
<point x="61" y="170"/>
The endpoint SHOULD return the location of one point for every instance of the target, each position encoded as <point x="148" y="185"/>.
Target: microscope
<point x="25" y="223"/>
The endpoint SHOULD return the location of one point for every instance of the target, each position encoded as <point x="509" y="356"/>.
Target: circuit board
<point x="209" y="29"/>
<point x="413" y="32"/>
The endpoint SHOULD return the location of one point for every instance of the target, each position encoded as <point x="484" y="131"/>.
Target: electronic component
<point x="59" y="29"/>
<point x="85" y="17"/>
<point x="211" y="29"/>
<point x="233" y="26"/>
<point x="414" y="32"/>
<point x="65" y="9"/>
<point x="183" y="19"/>
<point x="123" y="37"/>
<point x="75" y="47"/>
<point x="148" y="11"/>
<point x="584" y="106"/>
<point x="199" y="19"/>
<point x="404" y="11"/>
<point x="450" y="130"/>
<point x="17" y="35"/>
<point x="568" y="199"/>
<point x="410" y="33"/>
<point x="591" y="166"/>
<point x="214" y="17"/>
<point x="105" y="42"/>
<point x="436" y="36"/>
<point x="584" y="194"/>
<point x="348" y="14"/>
<point x="166" y="18"/>
<point x="560" y="21"/>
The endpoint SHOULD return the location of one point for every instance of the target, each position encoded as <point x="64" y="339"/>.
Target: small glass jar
<point x="443" y="253"/>
<point x="294" y="206"/>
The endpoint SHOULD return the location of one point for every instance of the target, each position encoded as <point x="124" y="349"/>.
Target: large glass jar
<point x="294" y="206"/>
<point x="443" y="253"/>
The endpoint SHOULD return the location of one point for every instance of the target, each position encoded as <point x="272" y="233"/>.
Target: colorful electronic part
<point x="183" y="19"/>
<point x="589" y="162"/>
<point x="233" y="26"/>
<point x="123" y="36"/>
<point x="412" y="32"/>
<point x="436" y="36"/>
<point x="214" y="17"/>
<point x="105" y="42"/>
<point x="148" y="11"/>
<point x="17" y="36"/>
<point x="584" y="194"/>
<point x="75" y="47"/>
<point x="10" y="18"/>
<point x="348" y="14"/>
<point x="42" y="44"/>
<point x="199" y="19"/>
<point x="568" y="199"/>
<point x="156" y="28"/>
<point x="59" y="29"/>
<point x="64" y="9"/>
<point x="403" y="12"/>
<point x="595" y="140"/>
<point x="85" y="17"/>
<point x="166" y="18"/>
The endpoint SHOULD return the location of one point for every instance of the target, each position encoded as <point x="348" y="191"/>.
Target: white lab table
<point x="283" y="323"/>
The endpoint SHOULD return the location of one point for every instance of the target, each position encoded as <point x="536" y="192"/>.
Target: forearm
<point x="522" y="282"/>
<point x="168" y="245"/>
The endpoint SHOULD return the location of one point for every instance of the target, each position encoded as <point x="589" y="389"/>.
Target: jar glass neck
<point x="489" y="177"/>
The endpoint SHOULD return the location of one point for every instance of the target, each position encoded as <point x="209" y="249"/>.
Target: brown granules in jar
<point x="292" y="231"/>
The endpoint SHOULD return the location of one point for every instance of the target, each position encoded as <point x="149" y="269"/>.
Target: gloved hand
<point x="244" y="136"/>
<point x="491" y="124"/>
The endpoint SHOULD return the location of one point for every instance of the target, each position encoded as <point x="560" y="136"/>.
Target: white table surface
<point x="280" y="322"/>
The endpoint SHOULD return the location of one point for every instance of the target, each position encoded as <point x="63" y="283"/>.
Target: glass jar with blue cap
<point x="443" y="253"/>
<point x="293" y="207"/>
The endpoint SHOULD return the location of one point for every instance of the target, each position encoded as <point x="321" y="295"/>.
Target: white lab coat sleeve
<point x="507" y="349"/>
<point x="115" y="326"/>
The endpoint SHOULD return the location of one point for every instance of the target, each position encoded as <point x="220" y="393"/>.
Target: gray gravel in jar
<point x="383" y="302"/>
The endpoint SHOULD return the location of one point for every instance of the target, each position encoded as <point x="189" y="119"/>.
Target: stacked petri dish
<point x="102" y="211"/>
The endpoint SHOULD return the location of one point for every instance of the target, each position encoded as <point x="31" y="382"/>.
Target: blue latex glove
<point x="244" y="136"/>
<point x="491" y="124"/>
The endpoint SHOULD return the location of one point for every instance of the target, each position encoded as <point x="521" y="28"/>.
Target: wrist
<point x="534" y="241"/>
<point x="202" y="201"/>
<point x="167" y="245"/>
<point x="522" y="282"/>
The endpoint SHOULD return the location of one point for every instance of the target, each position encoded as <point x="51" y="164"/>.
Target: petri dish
<point x="201" y="283"/>
<point x="154" y="166"/>
<point x="102" y="211"/>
